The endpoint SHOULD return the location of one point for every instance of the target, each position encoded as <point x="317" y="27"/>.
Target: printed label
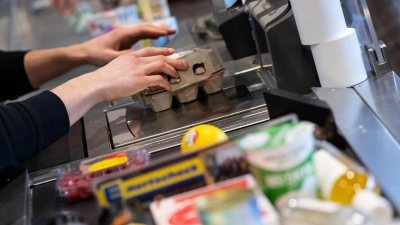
<point x="191" y="138"/>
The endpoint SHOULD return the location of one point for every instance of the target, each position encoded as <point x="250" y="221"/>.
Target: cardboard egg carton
<point x="205" y="71"/>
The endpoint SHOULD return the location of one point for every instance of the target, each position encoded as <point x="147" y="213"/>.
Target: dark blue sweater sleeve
<point x="13" y="79"/>
<point x="28" y="127"/>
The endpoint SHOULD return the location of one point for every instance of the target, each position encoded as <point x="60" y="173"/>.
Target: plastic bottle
<point x="338" y="181"/>
<point x="301" y="211"/>
<point x="344" y="181"/>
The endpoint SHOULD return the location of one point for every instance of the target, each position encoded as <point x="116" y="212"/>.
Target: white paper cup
<point x="318" y="20"/>
<point x="339" y="62"/>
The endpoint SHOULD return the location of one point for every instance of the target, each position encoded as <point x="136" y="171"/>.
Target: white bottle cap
<point x="373" y="204"/>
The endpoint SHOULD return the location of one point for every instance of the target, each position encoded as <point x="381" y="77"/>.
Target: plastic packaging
<point x="301" y="211"/>
<point x="217" y="204"/>
<point x="104" y="21"/>
<point x="80" y="19"/>
<point x="281" y="160"/>
<point x="340" y="180"/>
<point x="154" y="9"/>
<point x="122" y="213"/>
<point x="374" y="205"/>
<point x="76" y="183"/>
<point x="343" y="180"/>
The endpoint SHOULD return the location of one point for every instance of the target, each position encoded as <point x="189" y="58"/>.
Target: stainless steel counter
<point x="46" y="29"/>
<point x="365" y="115"/>
<point x="382" y="94"/>
<point x="370" y="140"/>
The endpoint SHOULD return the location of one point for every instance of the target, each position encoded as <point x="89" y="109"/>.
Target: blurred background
<point x="35" y="24"/>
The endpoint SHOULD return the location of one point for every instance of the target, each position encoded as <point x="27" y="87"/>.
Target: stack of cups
<point x="335" y="47"/>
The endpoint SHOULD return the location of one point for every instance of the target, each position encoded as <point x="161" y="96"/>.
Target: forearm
<point x="43" y="65"/>
<point x="28" y="127"/>
<point x="79" y="95"/>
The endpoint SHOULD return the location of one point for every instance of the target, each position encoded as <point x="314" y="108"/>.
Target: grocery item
<point x="302" y="211"/>
<point x="149" y="184"/>
<point x="80" y="19"/>
<point x="339" y="181"/>
<point x="153" y="9"/>
<point x="229" y="207"/>
<point x="172" y="175"/>
<point x="183" y="208"/>
<point x="202" y="136"/>
<point x="107" y="20"/>
<point x="205" y="71"/>
<point x="76" y="183"/>
<point x="121" y="213"/>
<point x="344" y="181"/>
<point x="130" y="16"/>
<point x="374" y="205"/>
<point x="281" y="160"/>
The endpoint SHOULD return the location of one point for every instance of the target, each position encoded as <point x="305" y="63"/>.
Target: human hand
<point x="101" y="50"/>
<point x="124" y="76"/>
<point x="133" y="72"/>
<point x="65" y="7"/>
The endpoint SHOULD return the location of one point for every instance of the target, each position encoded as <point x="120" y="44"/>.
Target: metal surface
<point x="143" y="124"/>
<point x="382" y="94"/>
<point x="242" y="71"/>
<point x="357" y="16"/>
<point x="184" y="40"/>
<point x="15" y="200"/>
<point x="101" y="146"/>
<point x="45" y="202"/>
<point x="368" y="137"/>
<point x="385" y="15"/>
<point x="245" y="111"/>
<point x="379" y="68"/>
<point x="30" y="33"/>
<point x="365" y="25"/>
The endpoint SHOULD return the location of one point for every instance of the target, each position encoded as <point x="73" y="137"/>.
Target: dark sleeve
<point x="13" y="79"/>
<point x="28" y="127"/>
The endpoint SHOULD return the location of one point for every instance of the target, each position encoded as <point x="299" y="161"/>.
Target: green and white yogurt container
<point x="281" y="160"/>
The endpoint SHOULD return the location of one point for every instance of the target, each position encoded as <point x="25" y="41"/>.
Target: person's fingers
<point x="151" y="51"/>
<point x="164" y="28"/>
<point x="73" y="5"/>
<point x="61" y="6"/>
<point x="160" y="67"/>
<point x="157" y="80"/>
<point x="176" y="63"/>
<point x="130" y="35"/>
<point x="56" y="5"/>
<point x="110" y="55"/>
<point x="151" y="31"/>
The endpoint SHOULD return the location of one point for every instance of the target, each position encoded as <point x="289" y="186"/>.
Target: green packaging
<point x="281" y="160"/>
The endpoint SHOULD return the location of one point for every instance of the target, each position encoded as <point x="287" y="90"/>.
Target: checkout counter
<point x="366" y="114"/>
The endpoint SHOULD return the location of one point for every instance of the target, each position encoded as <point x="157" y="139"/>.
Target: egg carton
<point x="205" y="72"/>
